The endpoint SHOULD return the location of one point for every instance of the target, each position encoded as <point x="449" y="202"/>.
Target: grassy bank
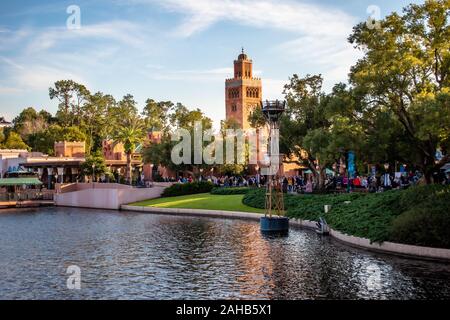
<point x="204" y="201"/>
<point x="418" y="216"/>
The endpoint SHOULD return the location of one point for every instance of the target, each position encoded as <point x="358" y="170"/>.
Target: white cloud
<point x="319" y="32"/>
<point x="42" y="77"/>
<point x="296" y="17"/>
<point x="11" y="63"/>
<point x="9" y="38"/>
<point x="123" y="32"/>
<point x="273" y="88"/>
<point x="215" y="74"/>
<point x="9" y="90"/>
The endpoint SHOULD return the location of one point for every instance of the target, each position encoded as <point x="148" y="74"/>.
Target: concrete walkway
<point x="411" y="251"/>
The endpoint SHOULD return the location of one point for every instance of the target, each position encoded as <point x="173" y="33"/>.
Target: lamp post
<point x="119" y="170"/>
<point x="141" y="176"/>
<point x="93" y="175"/>
<point x="274" y="202"/>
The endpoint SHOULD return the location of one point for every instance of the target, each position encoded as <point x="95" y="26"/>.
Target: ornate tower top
<point x="242" y="56"/>
<point x="243" y="92"/>
<point x="243" y="67"/>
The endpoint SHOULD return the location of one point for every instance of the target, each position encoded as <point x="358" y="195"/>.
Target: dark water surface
<point x="142" y="256"/>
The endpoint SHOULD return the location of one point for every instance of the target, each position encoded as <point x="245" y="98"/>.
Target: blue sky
<point x="178" y="50"/>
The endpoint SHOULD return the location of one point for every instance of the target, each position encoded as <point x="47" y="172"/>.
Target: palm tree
<point x="130" y="133"/>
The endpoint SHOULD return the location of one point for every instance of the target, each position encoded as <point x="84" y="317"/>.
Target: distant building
<point x="4" y="123"/>
<point x="10" y="160"/>
<point x="70" y="149"/>
<point x="243" y="93"/>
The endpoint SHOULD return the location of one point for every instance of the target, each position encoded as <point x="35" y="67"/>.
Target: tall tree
<point x="29" y="122"/>
<point x="405" y="71"/>
<point x="130" y="134"/>
<point x="180" y="118"/>
<point x="96" y="119"/>
<point x="128" y="129"/>
<point x="71" y="96"/>
<point x="157" y="114"/>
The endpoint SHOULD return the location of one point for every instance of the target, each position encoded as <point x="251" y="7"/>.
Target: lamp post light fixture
<point x="93" y="175"/>
<point x="40" y="172"/>
<point x="272" y="111"/>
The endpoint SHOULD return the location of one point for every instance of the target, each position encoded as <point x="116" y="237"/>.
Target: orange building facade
<point x="243" y="93"/>
<point x="70" y="149"/>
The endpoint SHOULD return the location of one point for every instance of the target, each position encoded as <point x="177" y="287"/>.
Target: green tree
<point x="44" y="141"/>
<point x="14" y="141"/>
<point x="305" y="124"/>
<point x="94" y="165"/>
<point x="30" y="122"/>
<point x="405" y="71"/>
<point x="97" y="119"/>
<point x="71" y="96"/>
<point x="180" y="118"/>
<point x="2" y="137"/>
<point x="129" y="131"/>
<point x="157" y="114"/>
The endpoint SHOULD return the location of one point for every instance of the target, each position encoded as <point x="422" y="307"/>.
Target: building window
<point x="252" y="92"/>
<point x="233" y="93"/>
<point x="233" y="108"/>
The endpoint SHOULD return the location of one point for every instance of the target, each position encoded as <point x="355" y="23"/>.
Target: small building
<point x="19" y="189"/>
<point x="70" y="149"/>
<point x="4" y="123"/>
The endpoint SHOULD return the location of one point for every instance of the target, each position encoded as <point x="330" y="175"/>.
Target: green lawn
<point x="201" y="201"/>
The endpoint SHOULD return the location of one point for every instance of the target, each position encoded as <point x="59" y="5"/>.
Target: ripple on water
<point x="139" y="256"/>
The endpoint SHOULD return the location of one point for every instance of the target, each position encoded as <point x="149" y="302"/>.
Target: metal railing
<point x="28" y="195"/>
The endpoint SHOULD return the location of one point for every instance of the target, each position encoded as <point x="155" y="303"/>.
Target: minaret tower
<point x="243" y="93"/>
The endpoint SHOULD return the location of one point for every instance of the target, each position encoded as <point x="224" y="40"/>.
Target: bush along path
<point x="417" y="216"/>
<point x="181" y="189"/>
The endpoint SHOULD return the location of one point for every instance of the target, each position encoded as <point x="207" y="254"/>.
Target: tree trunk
<point x="428" y="165"/>
<point x="129" y="169"/>
<point x="321" y="176"/>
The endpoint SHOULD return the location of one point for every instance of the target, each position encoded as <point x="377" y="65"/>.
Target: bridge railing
<point x="27" y="195"/>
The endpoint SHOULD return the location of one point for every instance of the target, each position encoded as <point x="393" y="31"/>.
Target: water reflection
<point x="139" y="256"/>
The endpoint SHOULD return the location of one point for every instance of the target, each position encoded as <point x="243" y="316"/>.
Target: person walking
<point x="309" y="186"/>
<point x="386" y="181"/>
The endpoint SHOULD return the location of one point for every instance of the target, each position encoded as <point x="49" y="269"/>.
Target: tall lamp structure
<point x="274" y="219"/>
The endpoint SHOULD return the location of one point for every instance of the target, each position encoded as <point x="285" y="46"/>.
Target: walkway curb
<point x="406" y="250"/>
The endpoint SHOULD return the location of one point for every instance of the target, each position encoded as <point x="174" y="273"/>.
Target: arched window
<point x="233" y="108"/>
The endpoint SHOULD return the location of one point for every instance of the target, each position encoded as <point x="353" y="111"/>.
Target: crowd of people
<point x="306" y="184"/>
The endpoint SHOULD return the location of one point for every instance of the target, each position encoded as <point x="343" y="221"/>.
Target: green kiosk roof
<point x="19" y="181"/>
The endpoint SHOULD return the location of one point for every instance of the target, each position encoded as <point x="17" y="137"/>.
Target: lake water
<point x="143" y="256"/>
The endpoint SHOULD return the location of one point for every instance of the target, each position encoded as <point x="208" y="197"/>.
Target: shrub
<point x="418" y="215"/>
<point x="422" y="227"/>
<point x="369" y="216"/>
<point x="311" y="207"/>
<point x="256" y="198"/>
<point x="230" y="191"/>
<point x="180" y="189"/>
